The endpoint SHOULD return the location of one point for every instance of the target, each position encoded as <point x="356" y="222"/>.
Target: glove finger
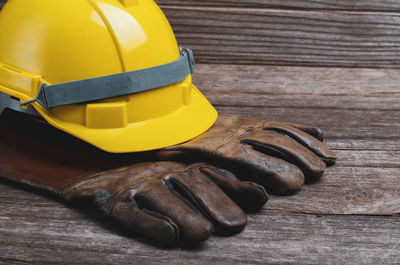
<point x="214" y="204"/>
<point x="156" y="197"/>
<point x="305" y="139"/>
<point x="275" y="174"/>
<point x="313" y="131"/>
<point x="146" y="222"/>
<point x="296" y="153"/>
<point x="248" y="195"/>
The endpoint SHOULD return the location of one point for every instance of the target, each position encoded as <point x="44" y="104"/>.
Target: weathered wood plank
<point x="392" y="144"/>
<point x="346" y="190"/>
<point x="302" y="100"/>
<point x="288" y="37"/>
<point x="299" y="81"/>
<point x="340" y="119"/>
<point x="272" y="236"/>
<point x="347" y="103"/>
<point x="242" y="35"/>
<point x="364" y="5"/>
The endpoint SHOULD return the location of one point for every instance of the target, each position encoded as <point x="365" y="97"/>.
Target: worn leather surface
<point x="182" y="199"/>
<point x="277" y="155"/>
<point x="170" y="201"/>
<point x="167" y="201"/>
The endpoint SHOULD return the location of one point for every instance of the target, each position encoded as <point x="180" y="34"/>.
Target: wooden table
<point x="351" y="216"/>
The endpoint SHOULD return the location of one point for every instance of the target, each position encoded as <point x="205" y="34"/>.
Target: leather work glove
<point x="169" y="201"/>
<point x="166" y="201"/>
<point x="274" y="154"/>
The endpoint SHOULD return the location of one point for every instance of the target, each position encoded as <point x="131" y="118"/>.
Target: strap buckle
<point x="40" y="98"/>
<point x="190" y="56"/>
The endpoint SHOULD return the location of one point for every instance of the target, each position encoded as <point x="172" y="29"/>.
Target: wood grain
<point x="350" y="216"/>
<point x="312" y="33"/>
<point x="288" y="37"/>
<point x="273" y="237"/>
<point x="359" y="5"/>
<point x="299" y="81"/>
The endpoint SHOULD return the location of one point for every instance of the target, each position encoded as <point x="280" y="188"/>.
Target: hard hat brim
<point x="181" y="125"/>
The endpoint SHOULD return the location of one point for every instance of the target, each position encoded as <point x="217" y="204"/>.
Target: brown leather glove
<point x="165" y="201"/>
<point x="168" y="201"/>
<point x="274" y="154"/>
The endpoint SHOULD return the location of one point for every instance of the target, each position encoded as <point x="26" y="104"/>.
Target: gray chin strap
<point x="121" y="84"/>
<point x="8" y="102"/>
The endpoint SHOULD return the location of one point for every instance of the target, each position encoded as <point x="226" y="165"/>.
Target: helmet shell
<point x="47" y="41"/>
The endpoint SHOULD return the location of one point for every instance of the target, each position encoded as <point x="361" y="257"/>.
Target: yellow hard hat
<point x="109" y="72"/>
